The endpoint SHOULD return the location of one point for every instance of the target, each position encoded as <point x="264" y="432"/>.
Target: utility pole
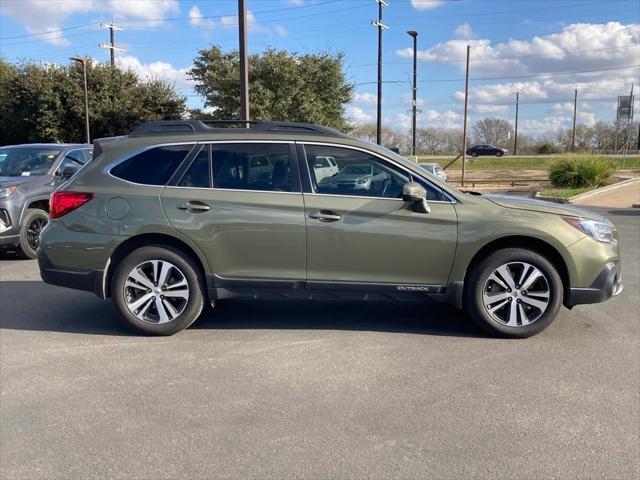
<point x="244" y="65"/>
<point x="111" y="46"/>
<point x="575" y="110"/>
<point x="380" y="26"/>
<point x="515" y="137"/>
<point x="466" y="103"/>
<point x="414" y="104"/>
<point x="83" y="61"/>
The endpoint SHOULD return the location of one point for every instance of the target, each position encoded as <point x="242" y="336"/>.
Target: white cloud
<point x="196" y="18"/>
<point x="426" y="4"/>
<point x="157" y="71"/>
<point x="358" y="115"/>
<point x="446" y="120"/>
<point x="578" y="47"/>
<point x="280" y="31"/>
<point x="366" y="98"/>
<point x="46" y="15"/>
<point x="465" y="31"/>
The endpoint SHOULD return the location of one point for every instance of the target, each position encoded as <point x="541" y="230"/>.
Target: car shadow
<point x="626" y="212"/>
<point x="36" y="306"/>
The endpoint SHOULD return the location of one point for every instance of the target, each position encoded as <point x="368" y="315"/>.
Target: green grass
<point x="564" y="192"/>
<point x="519" y="163"/>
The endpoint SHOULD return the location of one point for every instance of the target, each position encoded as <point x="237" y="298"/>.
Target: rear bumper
<point x="608" y="284"/>
<point x="88" y="281"/>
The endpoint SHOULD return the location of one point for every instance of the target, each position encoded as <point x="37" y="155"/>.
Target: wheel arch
<point x="518" y="241"/>
<point x="148" y="240"/>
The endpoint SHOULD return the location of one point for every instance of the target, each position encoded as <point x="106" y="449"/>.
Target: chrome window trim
<point x="214" y="189"/>
<point x="451" y="200"/>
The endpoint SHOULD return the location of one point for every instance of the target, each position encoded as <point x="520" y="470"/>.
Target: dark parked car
<point x="479" y="150"/>
<point x="28" y="175"/>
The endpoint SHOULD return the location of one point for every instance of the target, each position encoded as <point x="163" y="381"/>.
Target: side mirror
<point x="415" y="194"/>
<point x="69" y="171"/>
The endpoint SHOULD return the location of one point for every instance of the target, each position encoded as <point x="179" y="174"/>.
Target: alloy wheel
<point x="33" y="232"/>
<point x="156" y="291"/>
<point x="516" y="294"/>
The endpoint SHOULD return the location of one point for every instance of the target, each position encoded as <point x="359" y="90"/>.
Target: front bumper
<point x="607" y="284"/>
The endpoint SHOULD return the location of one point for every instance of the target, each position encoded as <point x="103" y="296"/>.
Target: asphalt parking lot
<point x="318" y="389"/>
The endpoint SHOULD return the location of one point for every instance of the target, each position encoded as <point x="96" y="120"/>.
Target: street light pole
<point x="515" y="138"/>
<point x="415" y="91"/>
<point x="244" y="66"/>
<point x="86" y="95"/>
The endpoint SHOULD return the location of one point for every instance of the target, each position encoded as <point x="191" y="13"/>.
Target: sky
<point x="543" y="49"/>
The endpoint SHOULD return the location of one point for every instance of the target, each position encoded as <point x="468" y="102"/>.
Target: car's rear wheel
<point x="474" y="154"/>
<point x="158" y="290"/>
<point x="514" y="292"/>
<point x="33" y="223"/>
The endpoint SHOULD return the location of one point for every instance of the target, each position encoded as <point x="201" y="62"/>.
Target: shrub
<point x="547" y="148"/>
<point x="581" y="171"/>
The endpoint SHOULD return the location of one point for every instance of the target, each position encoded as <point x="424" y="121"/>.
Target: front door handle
<point x="194" y="206"/>
<point x="325" y="216"/>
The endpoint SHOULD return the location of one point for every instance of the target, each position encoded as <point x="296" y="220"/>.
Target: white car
<point x="434" y="169"/>
<point x="325" y="167"/>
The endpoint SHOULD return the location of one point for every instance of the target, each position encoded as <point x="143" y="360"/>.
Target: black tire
<point x="474" y="154"/>
<point x="479" y="278"/>
<point x="499" y="154"/>
<point x="187" y="267"/>
<point x="34" y="221"/>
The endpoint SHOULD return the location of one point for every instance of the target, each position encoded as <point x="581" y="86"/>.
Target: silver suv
<point x="28" y="175"/>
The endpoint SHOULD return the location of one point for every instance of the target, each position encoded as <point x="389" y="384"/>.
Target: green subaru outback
<point x="180" y="214"/>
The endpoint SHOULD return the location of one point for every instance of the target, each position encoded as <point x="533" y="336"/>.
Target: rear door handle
<point x="325" y="216"/>
<point x="194" y="206"/>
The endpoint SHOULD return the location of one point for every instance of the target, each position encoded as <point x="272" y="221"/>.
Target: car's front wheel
<point x="33" y="223"/>
<point x="499" y="154"/>
<point x="514" y="292"/>
<point x="158" y="290"/>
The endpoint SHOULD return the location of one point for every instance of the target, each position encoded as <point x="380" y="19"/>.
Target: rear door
<point x="364" y="233"/>
<point x="247" y="216"/>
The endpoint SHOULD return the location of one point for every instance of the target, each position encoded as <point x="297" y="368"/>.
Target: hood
<point x="522" y="203"/>
<point x="8" y="181"/>
<point x="350" y="177"/>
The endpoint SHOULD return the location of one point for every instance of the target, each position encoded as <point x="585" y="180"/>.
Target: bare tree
<point x="430" y="141"/>
<point x="492" y="131"/>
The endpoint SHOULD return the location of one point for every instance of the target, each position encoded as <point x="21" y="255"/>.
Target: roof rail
<point x="158" y="127"/>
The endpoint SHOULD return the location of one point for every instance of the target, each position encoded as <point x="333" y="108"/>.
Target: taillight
<point x="62" y="203"/>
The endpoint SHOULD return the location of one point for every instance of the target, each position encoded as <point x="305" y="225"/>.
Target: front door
<point x="360" y="231"/>
<point x="241" y="203"/>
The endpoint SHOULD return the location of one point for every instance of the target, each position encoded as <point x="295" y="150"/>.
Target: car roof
<point x="49" y="145"/>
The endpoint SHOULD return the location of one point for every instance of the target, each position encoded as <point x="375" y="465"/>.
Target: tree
<point x="46" y="103"/>
<point x="390" y="137"/>
<point x="282" y="86"/>
<point x="492" y="131"/>
<point x="430" y="141"/>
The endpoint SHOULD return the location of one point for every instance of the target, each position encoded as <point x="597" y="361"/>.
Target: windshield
<point x="357" y="169"/>
<point x="24" y="162"/>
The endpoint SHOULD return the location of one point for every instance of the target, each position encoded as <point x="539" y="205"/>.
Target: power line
<point x="442" y="80"/>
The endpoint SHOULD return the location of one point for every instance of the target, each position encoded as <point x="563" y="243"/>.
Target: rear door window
<point x="154" y="166"/>
<point x="254" y="166"/>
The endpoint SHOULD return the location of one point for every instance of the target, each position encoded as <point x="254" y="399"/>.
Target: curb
<point x="598" y="191"/>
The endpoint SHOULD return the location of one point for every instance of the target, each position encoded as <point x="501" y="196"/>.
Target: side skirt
<point x="221" y="288"/>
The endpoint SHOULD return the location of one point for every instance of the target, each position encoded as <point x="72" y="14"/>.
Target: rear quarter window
<point x="152" y="167"/>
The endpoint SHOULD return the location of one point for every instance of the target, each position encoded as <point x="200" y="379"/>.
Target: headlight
<point x="6" y="191"/>
<point x="603" y="232"/>
<point x="362" y="180"/>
